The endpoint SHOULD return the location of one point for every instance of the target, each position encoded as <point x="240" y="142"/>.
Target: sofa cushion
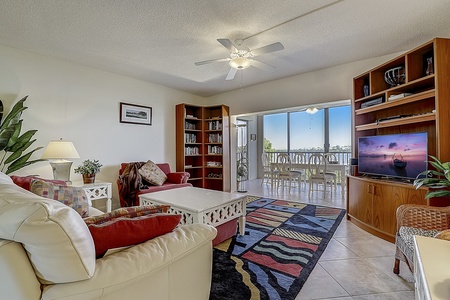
<point x="127" y="231"/>
<point x="105" y="228"/>
<point x="177" y="177"/>
<point x="25" y="181"/>
<point x="405" y="239"/>
<point x="73" y="197"/>
<point x="151" y="173"/>
<point x="53" y="234"/>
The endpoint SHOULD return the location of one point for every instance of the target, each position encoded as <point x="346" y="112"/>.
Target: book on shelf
<point x="398" y="96"/>
<point x="190" y="138"/>
<point x="214" y="125"/>
<point x="214" y="149"/>
<point x="215" y="138"/>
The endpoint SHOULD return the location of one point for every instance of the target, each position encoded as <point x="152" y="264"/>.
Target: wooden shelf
<point x="206" y="117"/>
<point x="397" y="102"/>
<point x="397" y="122"/>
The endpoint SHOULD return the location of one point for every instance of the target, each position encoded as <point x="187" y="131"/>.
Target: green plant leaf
<point x="22" y="140"/>
<point x="22" y="161"/>
<point x="440" y="193"/>
<point x="15" y="135"/>
<point x="1" y="110"/>
<point x="16" y="154"/>
<point x="12" y="142"/>
<point x="5" y="135"/>
<point x="15" y="113"/>
<point x="18" y="167"/>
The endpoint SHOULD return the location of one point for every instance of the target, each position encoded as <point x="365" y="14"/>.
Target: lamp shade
<point x="60" y="150"/>
<point x="240" y="63"/>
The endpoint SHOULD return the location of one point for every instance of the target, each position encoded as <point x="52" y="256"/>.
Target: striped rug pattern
<point x="282" y="244"/>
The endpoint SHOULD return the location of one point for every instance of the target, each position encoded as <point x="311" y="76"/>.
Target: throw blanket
<point x="131" y="182"/>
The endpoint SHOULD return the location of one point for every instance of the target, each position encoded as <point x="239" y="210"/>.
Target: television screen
<point x="397" y="155"/>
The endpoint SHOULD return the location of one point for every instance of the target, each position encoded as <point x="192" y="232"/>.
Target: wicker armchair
<point x="413" y="220"/>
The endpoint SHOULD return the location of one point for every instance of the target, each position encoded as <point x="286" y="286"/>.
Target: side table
<point x="431" y="271"/>
<point x="97" y="190"/>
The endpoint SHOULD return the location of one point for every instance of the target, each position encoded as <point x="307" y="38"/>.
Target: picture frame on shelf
<point x="135" y="114"/>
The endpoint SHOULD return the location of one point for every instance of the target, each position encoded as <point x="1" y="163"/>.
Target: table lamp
<point x="57" y="153"/>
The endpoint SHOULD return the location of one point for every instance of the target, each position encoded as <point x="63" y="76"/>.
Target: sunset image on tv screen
<point x="398" y="155"/>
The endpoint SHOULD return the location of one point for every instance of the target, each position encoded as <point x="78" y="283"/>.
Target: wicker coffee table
<point x="198" y="205"/>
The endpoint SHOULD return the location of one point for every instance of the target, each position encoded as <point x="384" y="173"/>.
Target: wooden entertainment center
<point x="420" y="103"/>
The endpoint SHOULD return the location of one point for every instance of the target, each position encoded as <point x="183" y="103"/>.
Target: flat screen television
<point x="401" y="155"/>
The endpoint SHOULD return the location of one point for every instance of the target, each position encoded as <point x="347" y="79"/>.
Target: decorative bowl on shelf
<point x="395" y="76"/>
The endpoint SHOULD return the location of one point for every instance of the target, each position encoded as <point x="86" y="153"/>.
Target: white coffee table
<point x="198" y="205"/>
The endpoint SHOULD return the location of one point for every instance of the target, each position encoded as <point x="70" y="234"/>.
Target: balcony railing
<point x="342" y="157"/>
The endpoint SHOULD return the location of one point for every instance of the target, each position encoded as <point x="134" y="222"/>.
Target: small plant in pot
<point x="438" y="180"/>
<point x="88" y="169"/>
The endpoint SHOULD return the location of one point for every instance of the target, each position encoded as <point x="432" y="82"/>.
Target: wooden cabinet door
<point x="360" y="200"/>
<point x="385" y="202"/>
<point x="387" y="198"/>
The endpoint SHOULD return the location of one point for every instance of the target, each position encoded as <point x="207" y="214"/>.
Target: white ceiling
<point x="159" y="40"/>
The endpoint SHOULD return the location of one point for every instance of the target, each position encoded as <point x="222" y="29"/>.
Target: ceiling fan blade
<point x="262" y="66"/>
<point x="199" y="63"/>
<point x="231" y="74"/>
<point x="228" y="44"/>
<point x="269" y="48"/>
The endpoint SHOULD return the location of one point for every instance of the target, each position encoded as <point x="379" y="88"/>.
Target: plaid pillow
<point x="73" y="197"/>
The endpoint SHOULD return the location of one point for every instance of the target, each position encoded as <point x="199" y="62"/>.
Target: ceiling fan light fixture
<point x="312" y="110"/>
<point x="240" y="63"/>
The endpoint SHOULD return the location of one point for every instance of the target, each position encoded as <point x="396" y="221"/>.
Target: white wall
<point x="81" y="104"/>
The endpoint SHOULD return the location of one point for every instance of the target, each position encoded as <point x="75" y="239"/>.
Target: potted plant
<point x="437" y="180"/>
<point x="241" y="171"/>
<point x="88" y="169"/>
<point x="12" y="143"/>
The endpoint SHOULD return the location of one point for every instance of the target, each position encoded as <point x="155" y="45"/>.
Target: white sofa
<point x="47" y="252"/>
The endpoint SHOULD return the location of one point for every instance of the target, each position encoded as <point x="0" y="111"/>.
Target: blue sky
<point x="307" y="130"/>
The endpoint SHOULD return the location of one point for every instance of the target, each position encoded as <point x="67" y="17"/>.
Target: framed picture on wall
<point x="135" y="114"/>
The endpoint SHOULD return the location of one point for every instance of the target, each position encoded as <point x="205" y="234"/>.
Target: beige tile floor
<point x="355" y="265"/>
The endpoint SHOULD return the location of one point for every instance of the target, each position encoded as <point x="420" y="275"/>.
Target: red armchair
<point x="129" y="192"/>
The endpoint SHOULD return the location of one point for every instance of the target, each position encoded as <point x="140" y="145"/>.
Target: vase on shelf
<point x="366" y="90"/>
<point x="430" y="67"/>
<point x="88" y="178"/>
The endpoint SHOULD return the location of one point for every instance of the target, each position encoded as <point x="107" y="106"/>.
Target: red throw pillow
<point x="129" y="226"/>
<point x="25" y="181"/>
<point x="123" y="231"/>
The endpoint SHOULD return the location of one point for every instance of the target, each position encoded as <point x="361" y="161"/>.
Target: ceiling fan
<point x="242" y="57"/>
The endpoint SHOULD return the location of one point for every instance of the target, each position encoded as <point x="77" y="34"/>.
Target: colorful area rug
<point x="282" y="243"/>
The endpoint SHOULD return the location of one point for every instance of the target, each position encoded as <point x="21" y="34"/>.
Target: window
<point x="275" y="132"/>
<point x="328" y="130"/>
<point x="340" y="129"/>
<point x="306" y="131"/>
